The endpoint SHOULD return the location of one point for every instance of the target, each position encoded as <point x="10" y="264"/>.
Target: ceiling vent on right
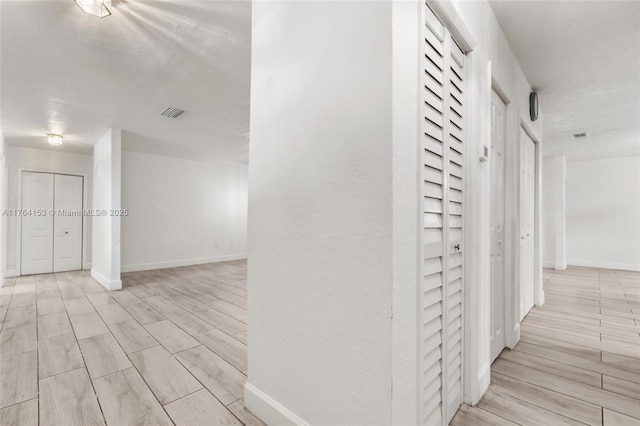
<point x="581" y="135"/>
<point x="172" y="112"/>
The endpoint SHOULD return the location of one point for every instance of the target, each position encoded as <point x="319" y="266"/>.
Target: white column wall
<point x="554" y="174"/>
<point x="320" y="213"/>
<point x="105" y="266"/>
<point x="4" y="177"/>
<point x="407" y="222"/>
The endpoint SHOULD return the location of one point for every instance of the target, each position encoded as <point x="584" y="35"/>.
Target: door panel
<point x="527" y="205"/>
<point x="498" y="112"/>
<point x="68" y="223"/>
<point x="442" y="192"/>
<point x="37" y="229"/>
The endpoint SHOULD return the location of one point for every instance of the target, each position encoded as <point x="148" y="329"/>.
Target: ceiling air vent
<point x="172" y="112"/>
<point x="581" y="135"/>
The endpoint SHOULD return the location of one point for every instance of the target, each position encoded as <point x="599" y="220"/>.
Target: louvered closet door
<point x="442" y="172"/>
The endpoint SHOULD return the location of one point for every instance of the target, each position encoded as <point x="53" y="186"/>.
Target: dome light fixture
<point x="55" y="140"/>
<point x="99" y="8"/>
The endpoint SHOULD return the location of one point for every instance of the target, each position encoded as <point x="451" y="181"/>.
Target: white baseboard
<point x="86" y="265"/>
<point x="552" y="265"/>
<point x="183" y="262"/>
<point x="10" y="273"/>
<point x="484" y="380"/>
<point x="106" y="283"/>
<point x="605" y="265"/>
<point x="269" y="410"/>
<point x="515" y="336"/>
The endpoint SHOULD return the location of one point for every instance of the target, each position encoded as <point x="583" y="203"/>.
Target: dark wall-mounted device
<point x="533" y="106"/>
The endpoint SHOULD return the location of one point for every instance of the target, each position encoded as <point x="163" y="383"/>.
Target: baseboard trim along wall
<point x="605" y="265"/>
<point x="183" y="262"/>
<point x="105" y="282"/>
<point x="269" y="410"/>
<point x="10" y="273"/>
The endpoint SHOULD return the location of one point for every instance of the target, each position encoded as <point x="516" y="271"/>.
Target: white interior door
<point x="527" y="206"/>
<point x="67" y="247"/>
<point x="37" y="226"/>
<point x="440" y="368"/>
<point x="498" y="112"/>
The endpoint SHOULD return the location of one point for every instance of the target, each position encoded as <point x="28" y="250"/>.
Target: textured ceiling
<point x="71" y="73"/>
<point x="583" y="58"/>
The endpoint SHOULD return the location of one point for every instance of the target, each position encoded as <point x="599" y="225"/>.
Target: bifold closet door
<point x="67" y="228"/>
<point x="527" y="210"/>
<point x="51" y="243"/>
<point x="37" y="228"/>
<point x="440" y="367"/>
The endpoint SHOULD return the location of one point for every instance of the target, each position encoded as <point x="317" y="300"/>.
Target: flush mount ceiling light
<point x="99" y="8"/>
<point x="55" y="140"/>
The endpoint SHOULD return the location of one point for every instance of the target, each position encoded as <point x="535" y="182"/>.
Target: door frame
<point x="538" y="291"/>
<point x="475" y="374"/>
<point x="497" y="87"/>
<point x="85" y="223"/>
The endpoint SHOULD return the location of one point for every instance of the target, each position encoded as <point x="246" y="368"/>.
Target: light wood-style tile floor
<point x="169" y="348"/>
<point x="578" y="361"/>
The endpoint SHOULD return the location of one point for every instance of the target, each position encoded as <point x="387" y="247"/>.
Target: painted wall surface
<point x="549" y="186"/>
<point x="603" y="213"/>
<point x="30" y="159"/>
<point x="181" y="212"/>
<point x="320" y="213"/>
<point x="494" y="47"/>
<point x="4" y="175"/>
<point x="105" y="267"/>
<point x="406" y="125"/>
<point x="554" y="212"/>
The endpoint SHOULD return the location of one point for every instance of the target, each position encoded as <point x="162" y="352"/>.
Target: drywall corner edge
<point x="269" y="410"/>
<point x="106" y="283"/>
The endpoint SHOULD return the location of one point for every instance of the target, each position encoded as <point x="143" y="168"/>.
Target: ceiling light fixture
<point x="99" y="8"/>
<point x="55" y="140"/>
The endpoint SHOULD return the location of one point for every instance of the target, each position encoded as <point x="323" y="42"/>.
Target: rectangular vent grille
<point x="172" y="112"/>
<point x="581" y="135"/>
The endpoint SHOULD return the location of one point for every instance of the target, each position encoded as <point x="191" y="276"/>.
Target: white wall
<point x="603" y="213"/>
<point x="320" y="213"/>
<point x="30" y="159"/>
<point x="181" y="212"/>
<point x="105" y="266"/>
<point x="4" y="175"/>
<point x="554" y="212"/>
<point x="406" y="132"/>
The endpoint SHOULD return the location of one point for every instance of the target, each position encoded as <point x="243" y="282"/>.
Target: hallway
<point x="578" y="360"/>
